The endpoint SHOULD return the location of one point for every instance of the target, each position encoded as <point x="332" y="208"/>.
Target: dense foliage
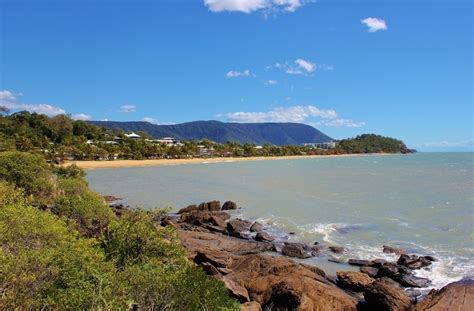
<point x="371" y="143"/>
<point x="60" y="138"/>
<point x="73" y="253"/>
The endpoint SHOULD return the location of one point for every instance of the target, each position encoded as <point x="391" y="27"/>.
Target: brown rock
<point x="382" y="297"/>
<point x="295" y="250"/>
<point x="251" y="306"/>
<point x="263" y="236"/>
<point x="229" y="205"/>
<point x="256" y="227"/>
<point x="204" y="217"/>
<point x="393" y="250"/>
<point x="457" y="296"/>
<point x="235" y="287"/>
<point x="413" y="261"/>
<point x="188" y="209"/>
<point x="355" y="281"/>
<point x="238" y="225"/>
<point x="210" y="206"/>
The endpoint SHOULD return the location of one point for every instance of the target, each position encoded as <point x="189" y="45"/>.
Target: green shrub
<point x="153" y="270"/>
<point x="88" y="212"/>
<point x="27" y="171"/>
<point x="9" y="195"/>
<point x="71" y="171"/>
<point x="72" y="186"/>
<point x="45" y="265"/>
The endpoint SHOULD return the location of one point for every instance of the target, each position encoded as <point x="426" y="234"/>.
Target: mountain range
<point x="256" y="133"/>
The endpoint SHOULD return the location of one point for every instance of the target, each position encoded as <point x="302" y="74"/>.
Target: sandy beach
<point x="89" y="165"/>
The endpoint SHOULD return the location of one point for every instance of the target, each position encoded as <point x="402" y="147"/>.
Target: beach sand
<point x="88" y="165"/>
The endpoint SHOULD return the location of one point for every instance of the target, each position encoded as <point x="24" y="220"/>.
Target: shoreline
<point x="91" y="164"/>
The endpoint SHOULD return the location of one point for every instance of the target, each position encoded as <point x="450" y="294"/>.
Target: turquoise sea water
<point x="422" y="202"/>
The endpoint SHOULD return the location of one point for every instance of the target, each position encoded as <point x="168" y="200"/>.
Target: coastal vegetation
<point x="60" y="138"/>
<point x="62" y="247"/>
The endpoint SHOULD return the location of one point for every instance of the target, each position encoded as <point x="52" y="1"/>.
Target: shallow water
<point x="422" y="202"/>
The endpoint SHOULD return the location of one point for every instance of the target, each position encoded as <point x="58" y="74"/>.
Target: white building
<point x="133" y="135"/>
<point x="326" y="145"/>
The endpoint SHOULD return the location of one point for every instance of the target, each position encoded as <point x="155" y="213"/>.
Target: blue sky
<point x="401" y="68"/>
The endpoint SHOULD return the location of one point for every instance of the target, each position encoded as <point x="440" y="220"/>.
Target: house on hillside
<point x="168" y="141"/>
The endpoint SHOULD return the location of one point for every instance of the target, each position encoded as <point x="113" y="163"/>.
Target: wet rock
<point x="413" y="261"/>
<point x="377" y="263"/>
<point x="210" y="206"/>
<point x="383" y="297"/>
<point x="229" y="205"/>
<point x="335" y="260"/>
<point x="402" y="275"/>
<point x="264" y="237"/>
<point x="295" y="250"/>
<point x="359" y="262"/>
<point x="314" y="269"/>
<point x="355" y="281"/>
<point x="393" y="250"/>
<point x="370" y="271"/>
<point x="455" y="296"/>
<point x="337" y="249"/>
<point x="316" y="250"/>
<point x="251" y="306"/>
<point x="238" y="225"/>
<point x="256" y="227"/>
<point x="430" y="258"/>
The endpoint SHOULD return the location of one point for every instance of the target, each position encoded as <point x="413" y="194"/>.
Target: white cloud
<point x="270" y="82"/>
<point x="128" y="108"/>
<point x="236" y="74"/>
<point x="341" y="123"/>
<point x="10" y="101"/>
<point x="81" y="116"/>
<point x="300" y="66"/>
<point x="249" y="6"/>
<point x="299" y="114"/>
<point x="151" y="120"/>
<point x="374" y="24"/>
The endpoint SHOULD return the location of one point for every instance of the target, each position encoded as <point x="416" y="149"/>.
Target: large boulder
<point x="355" y="281"/>
<point x="383" y="297"/>
<point x="457" y="296"/>
<point x="281" y="284"/>
<point x="295" y="250"/>
<point x="210" y="206"/>
<point x="370" y="271"/>
<point x="235" y="287"/>
<point x="229" y="205"/>
<point x="359" y="262"/>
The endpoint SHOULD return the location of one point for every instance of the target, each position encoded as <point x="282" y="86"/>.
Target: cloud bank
<point x="11" y="101"/>
<point x="250" y="6"/>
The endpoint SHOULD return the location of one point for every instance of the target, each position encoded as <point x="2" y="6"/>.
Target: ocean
<point x="422" y="202"/>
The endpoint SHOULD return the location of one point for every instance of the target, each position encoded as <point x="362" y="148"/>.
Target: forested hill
<point x="256" y="133"/>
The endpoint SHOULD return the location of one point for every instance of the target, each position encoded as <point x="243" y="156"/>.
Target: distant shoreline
<point x="90" y="165"/>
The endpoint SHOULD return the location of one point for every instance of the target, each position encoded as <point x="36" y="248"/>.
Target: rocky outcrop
<point x="229" y="205"/>
<point x="383" y="297"/>
<point x="457" y="296"/>
<point x="204" y="206"/>
<point x="355" y="281"/>
<point x="198" y="218"/>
